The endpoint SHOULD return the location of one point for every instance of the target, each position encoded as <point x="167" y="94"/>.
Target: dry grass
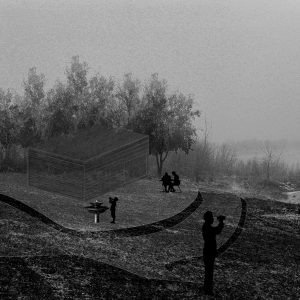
<point x="140" y="203"/>
<point x="262" y="264"/>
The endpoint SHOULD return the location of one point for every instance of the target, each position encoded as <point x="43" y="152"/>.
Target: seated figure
<point x="167" y="182"/>
<point x="176" y="181"/>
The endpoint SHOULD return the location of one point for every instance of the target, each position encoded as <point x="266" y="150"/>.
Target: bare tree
<point x="204" y="155"/>
<point x="270" y="158"/>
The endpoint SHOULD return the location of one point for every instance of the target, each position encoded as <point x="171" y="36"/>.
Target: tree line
<point x="210" y="162"/>
<point x="83" y="101"/>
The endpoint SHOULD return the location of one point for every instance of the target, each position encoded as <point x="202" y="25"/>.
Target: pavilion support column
<point x="97" y="218"/>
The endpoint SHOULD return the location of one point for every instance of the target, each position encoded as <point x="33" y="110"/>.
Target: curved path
<point x="123" y="232"/>
<point x="223" y="247"/>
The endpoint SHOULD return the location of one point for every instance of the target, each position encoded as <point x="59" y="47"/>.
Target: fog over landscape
<point x="239" y="59"/>
<point x="149" y="149"/>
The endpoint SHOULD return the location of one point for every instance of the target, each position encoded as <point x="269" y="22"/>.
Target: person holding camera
<point x="210" y="248"/>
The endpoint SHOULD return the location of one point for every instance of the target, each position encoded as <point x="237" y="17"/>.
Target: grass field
<point x="37" y="261"/>
<point x="140" y="203"/>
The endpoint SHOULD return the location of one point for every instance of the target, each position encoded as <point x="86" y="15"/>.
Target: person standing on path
<point x="113" y="204"/>
<point x="210" y="248"/>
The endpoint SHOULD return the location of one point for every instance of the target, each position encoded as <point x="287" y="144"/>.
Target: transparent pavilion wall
<point x="55" y="173"/>
<point x="89" y="179"/>
<point x="111" y="170"/>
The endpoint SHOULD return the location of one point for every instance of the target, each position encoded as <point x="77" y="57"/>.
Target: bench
<point x="177" y="184"/>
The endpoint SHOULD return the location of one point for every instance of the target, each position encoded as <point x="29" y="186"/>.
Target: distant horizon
<point x="200" y="125"/>
<point x="257" y="140"/>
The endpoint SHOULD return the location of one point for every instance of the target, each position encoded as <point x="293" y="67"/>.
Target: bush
<point x="13" y="160"/>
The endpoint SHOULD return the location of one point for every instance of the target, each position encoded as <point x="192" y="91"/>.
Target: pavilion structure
<point x="89" y="163"/>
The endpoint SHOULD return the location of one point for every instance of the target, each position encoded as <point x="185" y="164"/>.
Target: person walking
<point x="113" y="205"/>
<point x="210" y="248"/>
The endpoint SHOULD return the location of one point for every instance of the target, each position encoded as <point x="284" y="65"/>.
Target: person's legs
<point x="167" y="188"/>
<point x="113" y="215"/>
<point x="171" y="187"/>
<point x="209" y="272"/>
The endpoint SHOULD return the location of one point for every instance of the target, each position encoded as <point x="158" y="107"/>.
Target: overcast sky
<point x="240" y="59"/>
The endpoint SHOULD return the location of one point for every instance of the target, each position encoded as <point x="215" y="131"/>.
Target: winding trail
<point x="138" y="230"/>
<point x="114" y="281"/>
<point x="223" y="247"/>
<point x="122" y="232"/>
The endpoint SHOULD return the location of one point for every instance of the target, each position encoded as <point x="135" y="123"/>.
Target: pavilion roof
<point x="88" y="143"/>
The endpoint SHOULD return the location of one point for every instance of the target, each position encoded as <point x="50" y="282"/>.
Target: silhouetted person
<point x="176" y="181"/>
<point x="166" y="182"/>
<point x="210" y="248"/>
<point x="113" y="204"/>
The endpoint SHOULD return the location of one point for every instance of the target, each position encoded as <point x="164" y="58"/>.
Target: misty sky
<point x="240" y="59"/>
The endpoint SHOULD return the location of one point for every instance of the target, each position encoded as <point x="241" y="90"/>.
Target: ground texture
<point x="39" y="262"/>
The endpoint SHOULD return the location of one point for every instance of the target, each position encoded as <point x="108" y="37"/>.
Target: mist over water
<point x="286" y="151"/>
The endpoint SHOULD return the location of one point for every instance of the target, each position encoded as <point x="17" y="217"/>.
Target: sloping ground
<point x="21" y="234"/>
<point x="263" y="263"/>
<point x="36" y="252"/>
<point x="121" y="232"/>
<point x="140" y="203"/>
<point x="182" y="240"/>
<point x="66" y="277"/>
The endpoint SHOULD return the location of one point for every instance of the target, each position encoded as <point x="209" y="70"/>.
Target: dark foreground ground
<point x="40" y="263"/>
